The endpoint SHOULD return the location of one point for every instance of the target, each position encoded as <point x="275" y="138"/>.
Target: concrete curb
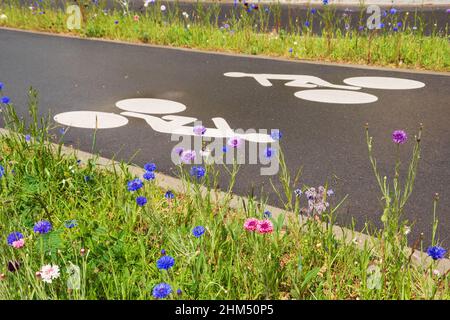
<point x="230" y="54"/>
<point x="418" y="258"/>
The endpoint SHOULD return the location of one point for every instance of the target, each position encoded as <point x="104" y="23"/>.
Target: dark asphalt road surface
<point x="327" y="139"/>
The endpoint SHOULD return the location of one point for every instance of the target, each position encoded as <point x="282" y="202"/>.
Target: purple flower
<point x="1" y="86"/>
<point x="116" y="22"/>
<point x="234" y="142"/>
<point x="150" y="167"/>
<point x="381" y="25"/>
<point x="135" y="184"/>
<point x="149" y="175"/>
<point x="307" y="24"/>
<point x="436" y="252"/>
<point x="395" y="29"/>
<point x="141" y="201"/>
<point x="313" y="10"/>
<point x="42" y="227"/>
<point x="361" y="28"/>
<point x="267" y="214"/>
<point x="393" y="11"/>
<point x="14" y="236"/>
<point x="298" y="192"/>
<point x="187" y="156"/>
<point x="179" y="292"/>
<point x="330" y="192"/>
<point x="179" y="151"/>
<point x="162" y="290"/>
<point x="169" y="195"/>
<point x="199" y="130"/>
<point x="163" y="252"/>
<point x="325" y="2"/>
<point x="198" y="172"/>
<point x="198" y="231"/>
<point x="291" y="50"/>
<point x="165" y="262"/>
<point x="399" y="136"/>
<point x="399" y="24"/>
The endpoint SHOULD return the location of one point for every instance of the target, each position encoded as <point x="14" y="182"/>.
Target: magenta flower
<point x="265" y="226"/>
<point x="234" y="142"/>
<point x="251" y="224"/>
<point x="399" y="136"/>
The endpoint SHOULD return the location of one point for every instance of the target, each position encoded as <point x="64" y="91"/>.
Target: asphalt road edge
<point x="232" y="54"/>
<point x="418" y="258"/>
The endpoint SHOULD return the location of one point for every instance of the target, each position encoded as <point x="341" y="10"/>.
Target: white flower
<point x="49" y="272"/>
<point x="436" y="272"/>
<point x="163" y="8"/>
<point x="3" y="17"/>
<point x="185" y="14"/>
<point x="146" y="2"/>
<point x="407" y="230"/>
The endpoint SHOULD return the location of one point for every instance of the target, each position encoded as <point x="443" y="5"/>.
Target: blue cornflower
<point x="14" y="236"/>
<point x="276" y="134"/>
<point x="43" y="227"/>
<point x="298" y="192"/>
<point x="198" y="231"/>
<point x="325" y="2"/>
<point x="165" y="262"/>
<point x="163" y="252"/>
<point x="69" y="224"/>
<point x="290" y="50"/>
<point x="150" y="167"/>
<point x="179" y="292"/>
<point x="149" y="175"/>
<point x="169" y="195"/>
<point x="87" y="178"/>
<point x="395" y="29"/>
<point x="62" y="131"/>
<point x="225" y="149"/>
<point x="266" y="9"/>
<point x="162" y="290"/>
<point x="1" y="86"/>
<point x="198" y="172"/>
<point x="135" y="184"/>
<point x="267" y="214"/>
<point x="313" y="10"/>
<point x="381" y="25"/>
<point x="5" y="100"/>
<point x="2" y="171"/>
<point x="116" y="22"/>
<point x="399" y="24"/>
<point x="361" y="28"/>
<point x="307" y="24"/>
<point x="393" y="11"/>
<point x="141" y="201"/>
<point x="436" y="252"/>
<point x="269" y="152"/>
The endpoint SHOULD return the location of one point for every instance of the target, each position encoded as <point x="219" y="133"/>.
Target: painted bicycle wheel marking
<point x="91" y="119"/>
<point x="151" y="106"/>
<point x="336" y="96"/>
<point x="385" y="83"/>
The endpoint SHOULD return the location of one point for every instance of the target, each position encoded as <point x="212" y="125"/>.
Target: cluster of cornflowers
<point x="3" y="99"/>
<point x="136" y="184"/>
<point x="16" y="239"/>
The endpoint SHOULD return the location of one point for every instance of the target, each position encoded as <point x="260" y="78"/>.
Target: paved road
<point x="327" y="139"/>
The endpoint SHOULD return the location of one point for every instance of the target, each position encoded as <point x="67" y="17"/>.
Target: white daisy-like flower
<point x="49" y="272"/>
<point x="163" y="8"/>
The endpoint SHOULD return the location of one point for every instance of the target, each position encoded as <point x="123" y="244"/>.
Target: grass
<point x="249" y="33"/>
<point x="115" y="243"/>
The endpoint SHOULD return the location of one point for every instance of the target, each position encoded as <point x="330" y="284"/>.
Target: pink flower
<point x="265" y="226"/>
<point x="19" y="243"/>
<point x="234" y="142"/>
<point x="136" y="18"/>
<point x="49" y="272"/>
<point x="251" y="224"/>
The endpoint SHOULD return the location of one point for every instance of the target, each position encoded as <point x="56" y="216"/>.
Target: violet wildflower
<point x="399" y="136"/>
<point x="162" y="290"/>
<point x="42" y="227"/>
<point x="135" y="184"/>
<point x="187" y="156"/>
<point x="199" y="130"/>
<point x="436" y="252"/>
<point x="198" y="231"/>
<point x="141" y="201"/>
<point x="234" y="142"/>
<point x="165" y="262"/>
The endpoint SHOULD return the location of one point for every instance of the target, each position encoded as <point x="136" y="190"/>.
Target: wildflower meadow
<point x="74" y="229"/>
<point x="406" y="41"/>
